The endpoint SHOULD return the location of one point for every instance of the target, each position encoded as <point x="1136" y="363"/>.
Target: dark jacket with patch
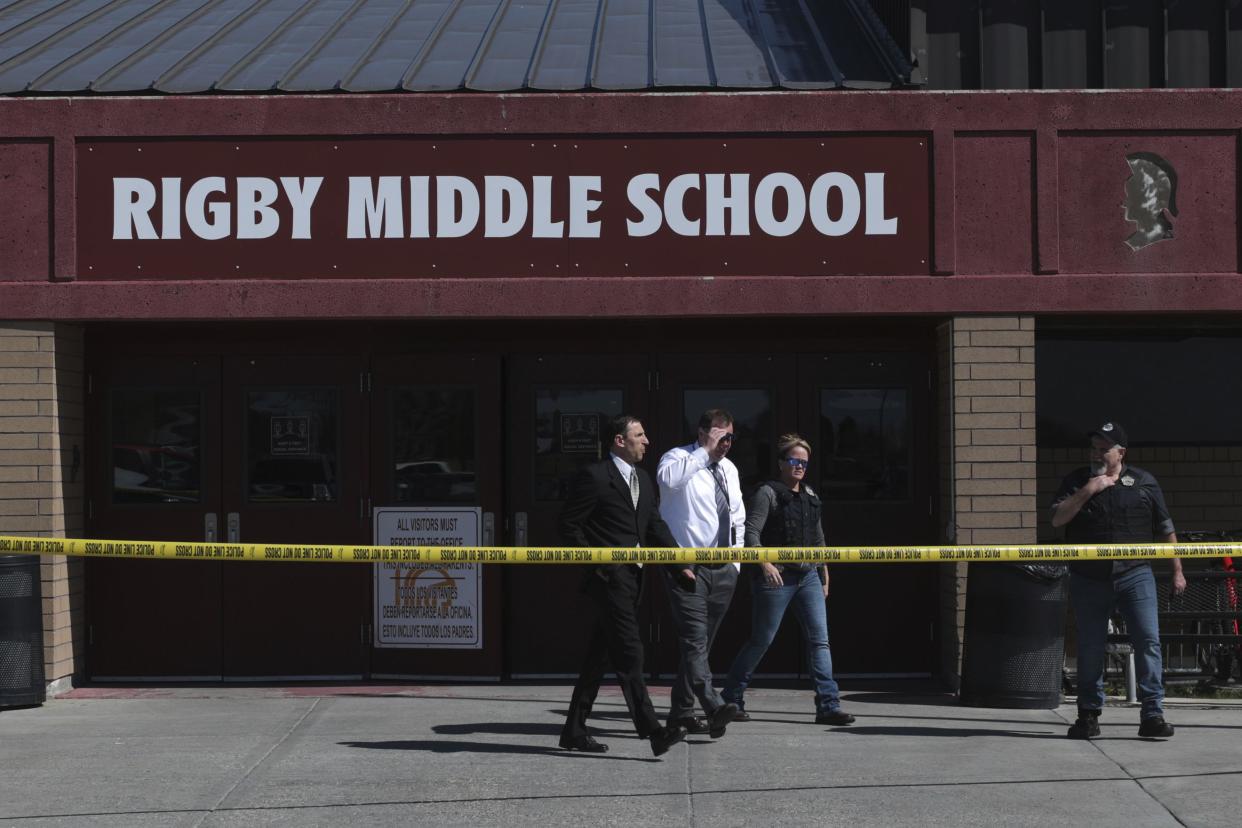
<point x="1132" y="511"/>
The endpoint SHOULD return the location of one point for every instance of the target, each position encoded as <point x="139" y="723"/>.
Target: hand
<point x="712" y="441"/>
<point x="685" y="579"/>
<point x="771" y="575"/>
<point x="825" y="571"/>
<point x="1179" y="582"/>
<point x="1099" y="483"/>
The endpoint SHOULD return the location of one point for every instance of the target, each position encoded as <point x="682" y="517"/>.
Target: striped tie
<point x="634" y="486"/>
<point x="722" y="505"/>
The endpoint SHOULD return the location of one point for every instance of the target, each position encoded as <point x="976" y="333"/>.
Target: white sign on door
<point x="435" y="606"/>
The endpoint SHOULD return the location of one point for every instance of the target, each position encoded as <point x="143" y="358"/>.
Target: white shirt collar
<point x="622" y="466"/>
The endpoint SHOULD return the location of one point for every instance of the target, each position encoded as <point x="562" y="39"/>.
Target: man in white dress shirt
<point x="701" y="501"/>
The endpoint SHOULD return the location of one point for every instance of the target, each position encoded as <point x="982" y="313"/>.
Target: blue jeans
<point x="1134" y="593"/>
<point x="768" y="604"/>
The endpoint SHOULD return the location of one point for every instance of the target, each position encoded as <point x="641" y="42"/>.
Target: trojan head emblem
<point x="1151" y="190"/>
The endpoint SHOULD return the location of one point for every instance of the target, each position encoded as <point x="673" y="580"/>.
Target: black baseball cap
<point x="1111" y="431"/>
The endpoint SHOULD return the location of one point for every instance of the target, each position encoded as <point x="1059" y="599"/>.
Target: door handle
<point x="519" y="529"/>
<point x="211" y="527"/>
<point x="489" y="529"/>
<point x="233" y="527"/>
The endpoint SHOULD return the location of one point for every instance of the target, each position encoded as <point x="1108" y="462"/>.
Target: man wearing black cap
<point x="1111" y="502"/>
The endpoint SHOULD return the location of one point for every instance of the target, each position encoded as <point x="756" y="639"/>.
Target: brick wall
<point x="41" y="494"/>
<point x="994" y="429"/>
<point x="987" y="401"/>
<point x="952" y="575"/>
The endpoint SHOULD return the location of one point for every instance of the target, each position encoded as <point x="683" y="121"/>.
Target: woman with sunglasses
<point x="785" y="513"/>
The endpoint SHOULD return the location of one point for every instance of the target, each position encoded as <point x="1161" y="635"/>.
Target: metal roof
<point x="72" y="47"/>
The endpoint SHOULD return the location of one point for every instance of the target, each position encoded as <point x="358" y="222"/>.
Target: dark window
<point x="156" y="436"/>
<point x="569" y="425"/>
<point x="433" y="451"/>
<point x="1166" y="390"/>
<point x="863" y="450"/>
<point x="291" y="445"/>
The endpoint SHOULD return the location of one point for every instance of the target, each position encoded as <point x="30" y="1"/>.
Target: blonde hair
<point x="788" y="442"/>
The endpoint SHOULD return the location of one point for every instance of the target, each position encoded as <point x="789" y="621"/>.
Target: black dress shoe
<point x="665" y="738"/>
<point x="720" y="719"/>
<point x="692" y="724"/>
<point x="585" y="743"/>
<point x="834" y="717"/>
<point x="741" y="716"/>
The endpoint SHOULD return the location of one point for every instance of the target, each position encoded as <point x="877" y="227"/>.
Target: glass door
<point x="435" y="436"/>
<point x="868" y="417"/>
<point x="760" y="393"/>
<point x="154" y="425"/>
<point x="559" y="407"/>
<point x="293" y="472"/>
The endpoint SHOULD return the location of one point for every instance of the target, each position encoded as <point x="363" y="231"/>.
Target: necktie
<point x="634" y="486"/>
<point x="722" y="505"/>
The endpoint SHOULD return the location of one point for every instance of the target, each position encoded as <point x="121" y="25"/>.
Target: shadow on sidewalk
<point x="951" y="732"/>
<point x="445" y="746"/>
<point x="502" y="728"/>
<point x="940" y="699"/>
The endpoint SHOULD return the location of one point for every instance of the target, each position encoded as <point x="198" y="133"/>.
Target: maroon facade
<point x="1025" y="213"/>
<point x="451" y="207"/>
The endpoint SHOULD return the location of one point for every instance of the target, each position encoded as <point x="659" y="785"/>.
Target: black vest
<point x="1118" y="514"/>
<point x="793" y="521"/>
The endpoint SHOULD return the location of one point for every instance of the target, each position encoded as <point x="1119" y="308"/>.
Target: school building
<point x="322" y="272"/>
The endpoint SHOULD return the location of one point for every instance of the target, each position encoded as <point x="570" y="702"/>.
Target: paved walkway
<point x="487" y="755"/>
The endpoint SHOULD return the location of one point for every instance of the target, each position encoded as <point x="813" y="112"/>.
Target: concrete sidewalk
<point x="487" y="755"/>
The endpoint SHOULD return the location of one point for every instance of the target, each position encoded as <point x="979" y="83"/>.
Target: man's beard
<point x="1099" y="469"/>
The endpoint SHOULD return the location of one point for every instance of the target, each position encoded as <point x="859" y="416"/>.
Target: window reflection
<point x="291" y="451"/>
<point x="156" y="434"/>
<point x="863" y="451"/>
<point x="751" y="408"/>
<point x="569" y="426"/>
<point x="433" y="449"/>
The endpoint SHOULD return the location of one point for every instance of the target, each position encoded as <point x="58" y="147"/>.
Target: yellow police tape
<point x="173" y="550"/>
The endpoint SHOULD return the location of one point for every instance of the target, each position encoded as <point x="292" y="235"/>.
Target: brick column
<point x="987" y="400"/>
<point x="41" y="491"/>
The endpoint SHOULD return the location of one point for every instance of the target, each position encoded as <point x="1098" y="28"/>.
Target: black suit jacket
<point x="600" y="512"/>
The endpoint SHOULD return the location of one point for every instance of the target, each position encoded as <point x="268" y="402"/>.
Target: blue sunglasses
<point x="797" y="462"/>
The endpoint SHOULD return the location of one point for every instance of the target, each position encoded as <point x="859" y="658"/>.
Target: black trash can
<point x="1014" y="647"/>
<point x="21" y="632"/>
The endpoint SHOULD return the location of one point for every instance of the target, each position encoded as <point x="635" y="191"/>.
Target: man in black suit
<point x="613" y="503"/>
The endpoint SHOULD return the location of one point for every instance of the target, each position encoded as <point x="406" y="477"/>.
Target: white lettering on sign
<point x="501" y="191"/>
<point x="132" y="200"/>
<point x="851" y="204"/>
<point x="670" y="210"/>
<point x="637" y="190"/>
<point x="377" y="207"/>
<point x="736" y="204"/>
<point x="394" y="207"/>
<point x="795" y="204"/>
<point x="208" y="209"/>
<point x="454" y="192"/>
<point x="301" y="194"/>
<point x="581" y="205"/>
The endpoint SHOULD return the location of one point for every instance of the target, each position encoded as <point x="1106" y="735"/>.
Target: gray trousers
<point x="698" y="615"/>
